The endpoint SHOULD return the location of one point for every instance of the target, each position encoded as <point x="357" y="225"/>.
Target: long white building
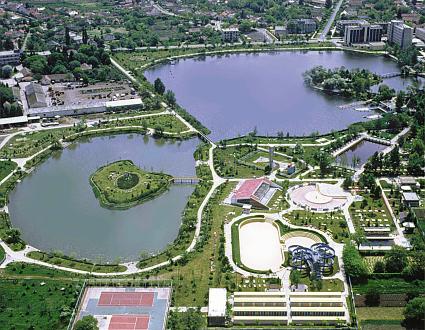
<point x="296" y="308"/>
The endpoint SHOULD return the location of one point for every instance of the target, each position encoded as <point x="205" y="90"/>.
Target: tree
<point x="6" y="71"/>
<point x="379" y="267"/>
<point x="85" y="36"/>
<point x="192" y="319"/>
<point x="170" y="97"/>
<point x="414" y="313"/>
<point x="67" y="36"/>
<point x="396" y="259"/>
<point x="372" y="296"/>
<point x="394" y="158"/>
<point x="358" y="238"/>
<point x="348" y="182"/>
<point x="13" y="235"/>
<point x="159" y="86"/>
<point x="245" y="26"/>
<point x="354" y="264"/>
<point x="295" y="277"/>
<point x="87" y="323"/>
<point x="328" y="4"/>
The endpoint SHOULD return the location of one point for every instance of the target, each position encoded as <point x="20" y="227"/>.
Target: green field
<point x="37" y="304"/>
<point x="334" y="222"/>
<point x="122" y="184"/>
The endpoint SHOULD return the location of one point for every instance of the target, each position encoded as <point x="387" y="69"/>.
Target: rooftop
<point x="411" y="196"/>
<point x="248" y="188"/>
<point x="217" y="299"/>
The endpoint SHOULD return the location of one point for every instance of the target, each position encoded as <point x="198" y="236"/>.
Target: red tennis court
<point x="126" y="322"/>
<point x="126" y="299"/>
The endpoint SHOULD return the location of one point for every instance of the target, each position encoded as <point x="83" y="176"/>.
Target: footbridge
<point x="204" y="138"/>
<point x="185" y="180"/>
<point x="390" y="75"/>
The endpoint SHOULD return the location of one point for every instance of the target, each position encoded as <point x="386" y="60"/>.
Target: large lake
<point x="232" y="94"/>
<point x="55" y="207"/>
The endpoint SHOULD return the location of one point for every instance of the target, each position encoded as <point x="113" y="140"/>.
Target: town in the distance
<point x="185" y="165"/>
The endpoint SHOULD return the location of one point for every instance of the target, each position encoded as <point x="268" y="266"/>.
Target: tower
<point x="271" y="153"/>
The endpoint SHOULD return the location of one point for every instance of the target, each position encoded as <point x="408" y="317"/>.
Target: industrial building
<point x="35" y="96"/>
<point x="85" y="108"/>
<point x="400" y="34"/>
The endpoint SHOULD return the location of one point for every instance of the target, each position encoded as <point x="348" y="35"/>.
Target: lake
<point x="232" y="94"/>
<point x="55" y="207"/>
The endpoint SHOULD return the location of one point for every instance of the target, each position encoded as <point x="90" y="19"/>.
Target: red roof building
<point x="256" y="192"/>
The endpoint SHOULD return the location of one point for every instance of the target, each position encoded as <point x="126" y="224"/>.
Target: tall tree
<point x="159" y="86"/>
<point x="67" y="36"/>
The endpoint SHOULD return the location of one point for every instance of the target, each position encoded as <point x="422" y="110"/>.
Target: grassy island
<point x="121" y="185"/>
<point x="351" y="83"/>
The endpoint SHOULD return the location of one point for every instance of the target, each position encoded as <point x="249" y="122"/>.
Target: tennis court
<point x="126" y="299"/>
<point x="125" y="322"/>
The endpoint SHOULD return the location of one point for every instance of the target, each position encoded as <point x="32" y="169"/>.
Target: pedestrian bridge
<point x="186" y="180"/>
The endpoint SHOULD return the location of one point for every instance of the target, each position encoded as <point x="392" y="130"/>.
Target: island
<point x="122" y="185"/>
<point x="351" y="83"/>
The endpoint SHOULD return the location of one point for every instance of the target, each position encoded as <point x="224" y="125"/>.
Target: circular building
<point x="321" y="197"/>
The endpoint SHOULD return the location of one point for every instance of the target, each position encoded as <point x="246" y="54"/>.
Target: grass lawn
<point x="228" y="162"/>
<point x="6" y="167"/>
<point x="76" y="264"/>
<point x="37" y="303"/>
<point x="24" y="145"/>
<point x="123" y="185"/>
<point x="334" y="222"/>
<point x="394" y="285"/>
<point x="168" y="123"/>
<point x="2" y="253"/>
<point x="380" y="313"/>
<point x="332" y="285"/>
<point x="19" y="269"/>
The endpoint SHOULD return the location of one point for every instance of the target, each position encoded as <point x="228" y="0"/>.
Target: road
<point x="162" y="10"/>
<point x="328" y="26"/>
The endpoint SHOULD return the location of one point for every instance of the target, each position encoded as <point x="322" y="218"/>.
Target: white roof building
<point x="217" y="299"/>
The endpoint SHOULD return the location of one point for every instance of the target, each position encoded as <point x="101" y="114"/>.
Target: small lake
<point x="232" y="94"/>
<point x="56" y="209"/>
<point x="362" y="151"/>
